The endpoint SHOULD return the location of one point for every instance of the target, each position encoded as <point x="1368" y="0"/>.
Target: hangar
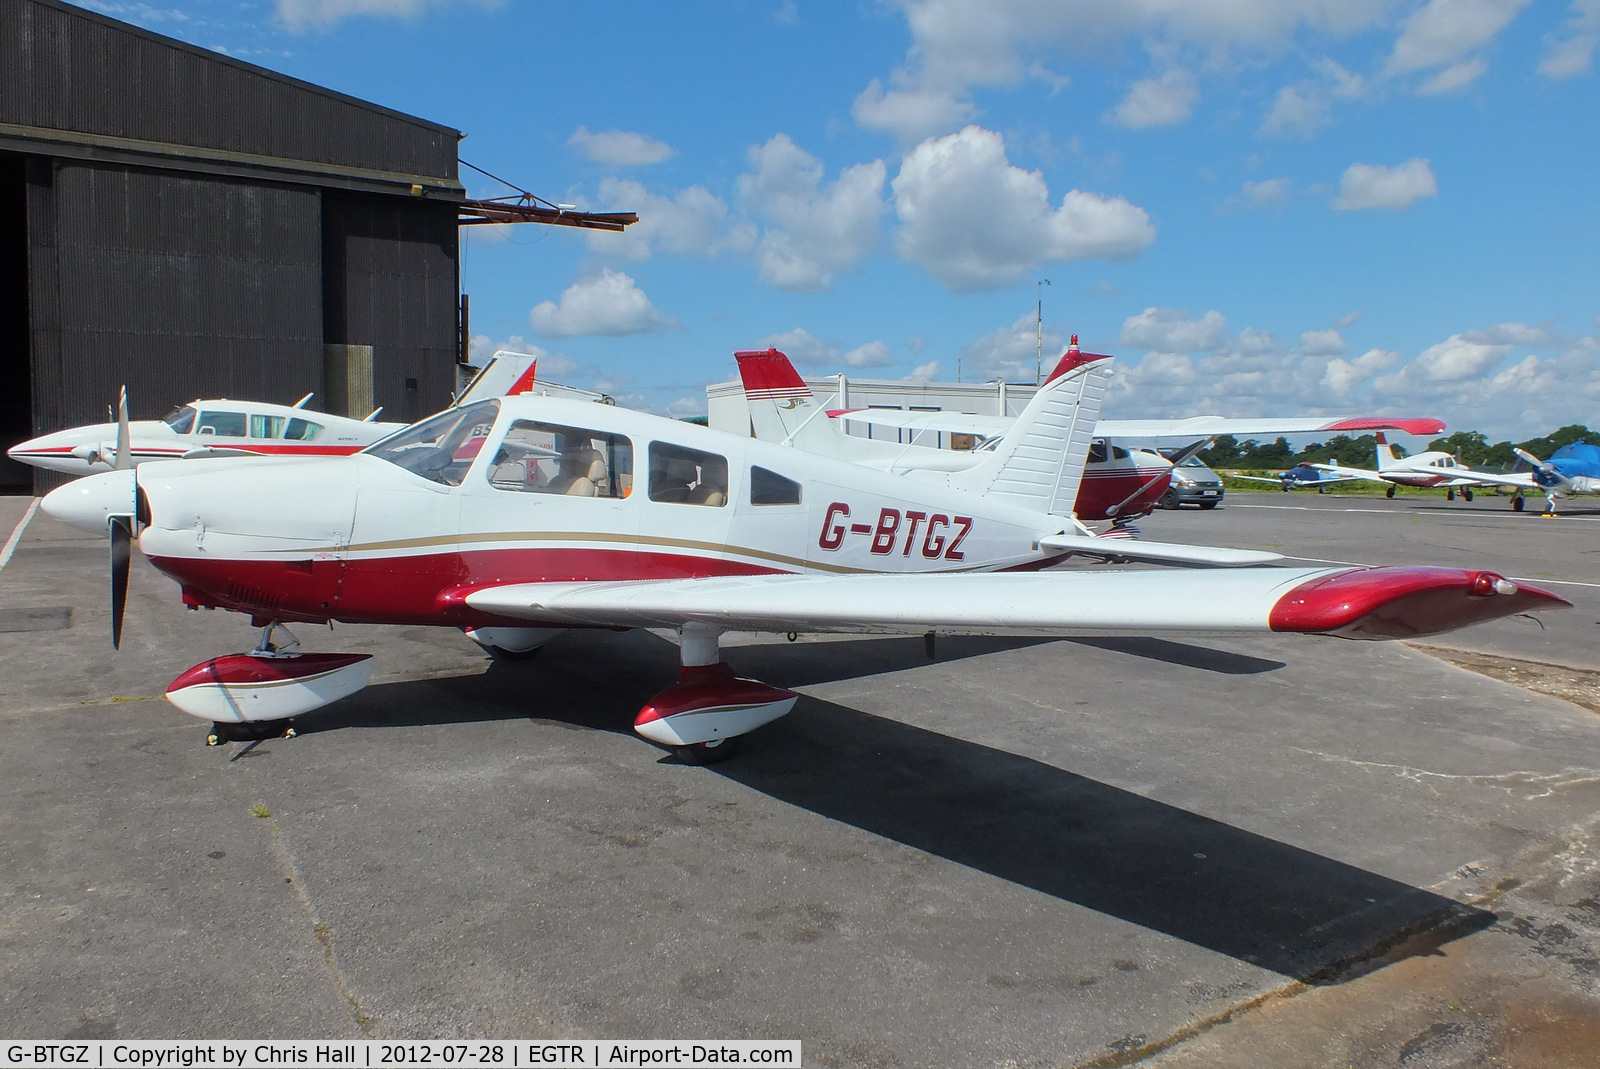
<point x="196" y="226"/>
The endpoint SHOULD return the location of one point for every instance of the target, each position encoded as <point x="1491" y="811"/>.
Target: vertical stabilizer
<point x="1386" y="457"/>
<point x="782" y="407"/>
<point x="1039" y="463"/>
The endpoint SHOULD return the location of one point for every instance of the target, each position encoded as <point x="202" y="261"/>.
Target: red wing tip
<point x="1404" y="602"/>
<point x="1417" y="426"/>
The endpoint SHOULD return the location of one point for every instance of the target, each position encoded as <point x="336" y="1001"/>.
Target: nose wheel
<point x="250" y="731"/>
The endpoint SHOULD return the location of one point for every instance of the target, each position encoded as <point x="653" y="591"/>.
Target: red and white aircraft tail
<point x="1039" y="463"/>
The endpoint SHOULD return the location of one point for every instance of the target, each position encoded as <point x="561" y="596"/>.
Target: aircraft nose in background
<point x="90" y="501"/>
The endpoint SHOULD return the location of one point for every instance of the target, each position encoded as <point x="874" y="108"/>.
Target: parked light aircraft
<point x="1121" y="482"/>
<point x="1571" y="470"/>
<point x="221" y="427"/>
<point x="514" y="518"/>
<point x="1301" y="476"/>
<point x="1432" y="469"/>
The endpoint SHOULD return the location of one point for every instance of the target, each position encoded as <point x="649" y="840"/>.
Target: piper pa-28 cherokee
<point x="222" y="428"/>
<point x="1119" y="483"/>
<point x="575" y="515"/>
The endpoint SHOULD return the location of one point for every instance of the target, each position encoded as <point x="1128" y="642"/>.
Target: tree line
<point x="1470" y="447"/>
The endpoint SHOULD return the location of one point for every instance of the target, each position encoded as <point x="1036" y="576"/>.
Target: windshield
<point x="441" y="448"/>
<point x="1193" y="462"/>
<point x="180" y="419"/>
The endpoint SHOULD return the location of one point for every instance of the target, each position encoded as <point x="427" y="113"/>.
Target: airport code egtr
<point x="375" y="1054"/>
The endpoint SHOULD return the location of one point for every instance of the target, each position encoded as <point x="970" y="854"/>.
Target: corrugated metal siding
<point x="178" y="285"/>
<point x="66" y="69"/>
<point x="391" y="281"/>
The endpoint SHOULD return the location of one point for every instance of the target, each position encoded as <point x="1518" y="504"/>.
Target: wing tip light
<point x="1404" y="602"/>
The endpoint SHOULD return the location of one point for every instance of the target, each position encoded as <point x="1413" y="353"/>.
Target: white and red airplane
<point x="221" y="428"/>
<point x="1431" y="469"/>
<point x="515" y="518"/>
<point x="1120" y="482"/>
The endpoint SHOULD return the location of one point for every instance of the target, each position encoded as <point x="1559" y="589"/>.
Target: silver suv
<point x="1192" y="484"/>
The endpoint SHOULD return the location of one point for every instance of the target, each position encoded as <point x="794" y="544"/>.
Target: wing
<point x="1197" y="427"/>
<point x="1523" y="479"/>
<point x="1342" y="474"/>
<point x="1128" y="549"/>
<point x="1352" y="602"/>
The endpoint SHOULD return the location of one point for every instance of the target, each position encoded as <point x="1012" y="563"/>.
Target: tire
<point x="1449" y="495"/>
<point x="1389" y="492"/>
<point x="1169" y="500"/>
<point x="1467" y="494"/>
<point x="500" y="653"/>
<point x="707" y="753"/>
<point x="1516" y="503"/>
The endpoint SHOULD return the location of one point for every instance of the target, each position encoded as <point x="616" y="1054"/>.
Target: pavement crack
<point x="323" y="933"/>
<point x="1539" y="784"/>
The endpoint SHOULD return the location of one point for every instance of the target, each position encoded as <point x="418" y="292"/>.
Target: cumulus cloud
<point x="1013" y="352"/>
<point x="609" y="304"/>
<point x="301" y="15"/>
<point x="1341" y="375"/>
<point x="1367" y="185"/>
<point x="1170" y="330"/>
<point x="1162" y="101"/>
<point x="976" y="222"/>
<point x="1297" y="112"/>
<point x="694" y="223"/>
<point x="923" y="372"/>
<point x="1455" y="77"/>
<point x="1322" y="343"/>
<point x="872" y="354"/>
<point x="1443" y="32"/>
<point x="619" y="148"/>
<point x="814" y="232"/>
<point x="1268" y="191"/>
<point x="1570" y="53"/>
<point x="1349" y="319"/>
<point x="957" y="45"/>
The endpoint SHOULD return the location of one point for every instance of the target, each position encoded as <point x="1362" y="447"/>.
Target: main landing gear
<point x="1389" y="492"/>
<point x="256" y="695"/>
<point x="1516" y="503"/>
<point x="701" y="717"/>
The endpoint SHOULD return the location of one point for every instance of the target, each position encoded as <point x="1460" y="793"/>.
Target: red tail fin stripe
<point x="1071" y="360"/>
<point x="768" y="369"/>
<point x="524" y="383"/>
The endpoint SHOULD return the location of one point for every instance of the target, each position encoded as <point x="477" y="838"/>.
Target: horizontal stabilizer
<point x="1127" y="549"/>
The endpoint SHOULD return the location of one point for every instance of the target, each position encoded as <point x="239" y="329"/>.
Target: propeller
<point x="121" y="527"/>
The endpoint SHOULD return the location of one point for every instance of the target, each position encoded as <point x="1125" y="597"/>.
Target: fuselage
<point x="220" y="426"/>
<point x="535" y="489"/>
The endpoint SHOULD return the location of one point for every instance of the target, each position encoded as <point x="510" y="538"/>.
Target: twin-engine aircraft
<point x="1121" y="481"/>
<point x="515" y="518"/>
<point x="1430" y="469"/>
<point x="223" y="428"/>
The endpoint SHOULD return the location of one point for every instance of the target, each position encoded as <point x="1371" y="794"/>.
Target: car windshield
<point x="441" y="448"/>
<point x="1193" y="462"/>
<point x="180" y="419"/>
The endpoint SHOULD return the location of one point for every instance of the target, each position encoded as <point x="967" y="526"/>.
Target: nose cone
<point x="74" y="452"/>
<point x="92" y="500"/>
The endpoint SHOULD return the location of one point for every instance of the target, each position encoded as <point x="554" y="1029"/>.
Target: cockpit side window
<point x="443" y="447"/>
<point x="223" y="424"/>
<point x="684" y="476"/>
<point x="770" y="488"/>
<point x="180" y="419"/>
<point x="550" y="458"/>
<point x="302" y="430"/>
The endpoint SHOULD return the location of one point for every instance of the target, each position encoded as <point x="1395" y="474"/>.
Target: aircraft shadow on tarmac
<point x="1251" y="897"/>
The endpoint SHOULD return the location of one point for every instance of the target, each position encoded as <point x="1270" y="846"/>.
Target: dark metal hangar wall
<point x="196" y="226"/>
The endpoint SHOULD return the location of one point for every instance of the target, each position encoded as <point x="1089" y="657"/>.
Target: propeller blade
<point x="121" y="560"/>
<point x="124" y="434"/>
<point x="1542" y="465"/>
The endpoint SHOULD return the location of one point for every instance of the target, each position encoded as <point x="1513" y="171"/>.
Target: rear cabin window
<point x="770" y="488"/>
<point x="442" y="448"/>
<point x="266" y="426"/>
<point x="550" y="458"/>
<point x="302" y="430"/>
<point x="683" y="476"/>
<point x="1097" y="451"/>
<point x="230" y="424"/>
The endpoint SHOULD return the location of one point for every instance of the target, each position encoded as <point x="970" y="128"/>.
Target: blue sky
<point x="1262" y="208"/>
